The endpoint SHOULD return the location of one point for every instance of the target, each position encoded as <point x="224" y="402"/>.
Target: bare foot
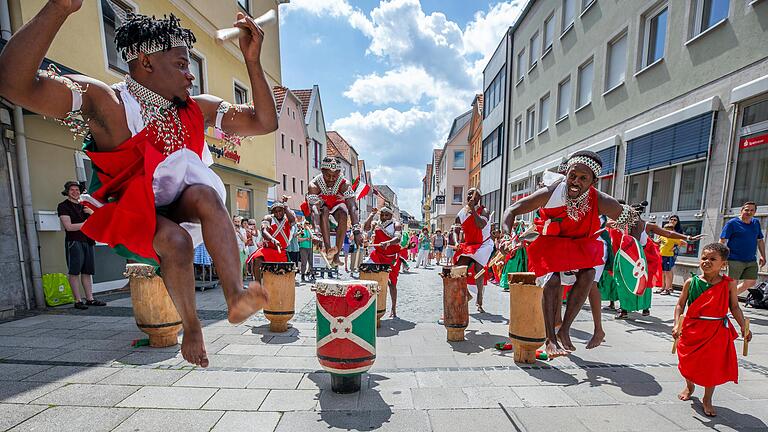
<point x="246" y="303"/>
<point x="393" y="313"/>
<point x="596" y="340"/>
<point x="193" y="347"/>
<point x="709" y="410"/>
<point x="553" y="350"/>
<point x="685" y="394"/>
<point x="565" y="339"/>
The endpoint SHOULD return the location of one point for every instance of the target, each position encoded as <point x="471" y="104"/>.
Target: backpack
<point x="758" y="296"/>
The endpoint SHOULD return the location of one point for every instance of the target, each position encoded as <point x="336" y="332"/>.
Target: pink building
<point x="290" y="149"/>
<point x="451" y="173"/>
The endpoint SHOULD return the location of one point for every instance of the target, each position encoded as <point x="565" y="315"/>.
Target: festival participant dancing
<point x="276" y="234"/>
<point x="330" y="194"/>
<point x="153" y="192"/>
<point x="387" y="234"/>
<point x="477" y="247"/>
<point x="569" y="221"/>
<point x="705" y="336"/>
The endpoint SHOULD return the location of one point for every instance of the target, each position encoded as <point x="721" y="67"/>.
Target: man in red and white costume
<point x="329" y="194"/>
<point x="569" y="244"/>
<point x="477" y="247"/>
<point x="387" y="234"/>
<point x="153" y="194"/>
<point x="276" y="234"/>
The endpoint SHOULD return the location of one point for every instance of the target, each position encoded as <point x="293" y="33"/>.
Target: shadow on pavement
<point x="477" y="342"/>
<point x="343" y="411"/>
<point x="727" y="417"/>
<point x="626" y="378"/>
<point x="393" y="327"/>
<point x="489" y="317"/>
<point x="274" y="338"/>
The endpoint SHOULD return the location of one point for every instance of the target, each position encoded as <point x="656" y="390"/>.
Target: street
<point x="76" y="370"/>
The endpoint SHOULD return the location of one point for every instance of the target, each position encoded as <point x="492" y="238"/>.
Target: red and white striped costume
<point x="477" y="243"/>
<point x="389" y="254"/>
<point x="281" y="231"/>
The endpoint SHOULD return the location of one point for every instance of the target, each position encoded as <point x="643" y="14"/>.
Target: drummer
<point x="476" y="248"/>
<point x="387" y="234"/>
<point x="276" y="232"/>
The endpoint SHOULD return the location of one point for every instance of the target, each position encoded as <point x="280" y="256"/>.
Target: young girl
<point x="667" y="248"/>
<point x="705" y="336"/>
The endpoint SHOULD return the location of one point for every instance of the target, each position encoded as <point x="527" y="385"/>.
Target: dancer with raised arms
<point x="569" y="224"/>
<point x="153" y="194"/>
<point x="387" y="234"/>
<point x="477" y="246"/>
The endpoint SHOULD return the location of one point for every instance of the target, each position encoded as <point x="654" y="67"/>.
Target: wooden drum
<point x="380" y="274"/>
<point x="455" y="299"/>
<point x="153" y="309"/>
<point x="346" y="330"/>
<point x="279" y="279"/>
<point x="526" y="318"/>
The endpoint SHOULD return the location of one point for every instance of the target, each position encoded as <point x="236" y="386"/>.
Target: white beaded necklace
<point x="577" y="207"/>
<point x="160" y="114"/>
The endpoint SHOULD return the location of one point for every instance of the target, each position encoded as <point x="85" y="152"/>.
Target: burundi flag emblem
<point x="630" y="265"/>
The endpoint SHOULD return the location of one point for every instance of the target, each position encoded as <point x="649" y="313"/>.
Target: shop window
<point x="691" y="228"/>
<point x="751" y="177"/>
<point x="244" y="199"/>
<point x="691" y="186"/>
<point x="662" y="190"/>
<point x="637" y="189"/>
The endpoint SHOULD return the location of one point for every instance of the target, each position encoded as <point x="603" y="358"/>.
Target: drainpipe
<point x="17" y="226"/>
<point x="23" y="167"/>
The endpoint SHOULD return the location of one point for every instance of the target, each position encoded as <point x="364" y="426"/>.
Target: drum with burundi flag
<point x="346" y="330"/>
<point x="630" y="266"/>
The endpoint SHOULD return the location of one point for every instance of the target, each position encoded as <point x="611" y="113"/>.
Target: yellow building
<point x="85" y="45"/>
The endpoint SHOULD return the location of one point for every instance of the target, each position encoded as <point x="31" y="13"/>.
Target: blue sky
<point x="393" y="74"/>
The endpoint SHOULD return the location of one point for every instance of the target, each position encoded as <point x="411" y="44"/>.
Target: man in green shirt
<point x="305" y="250"/>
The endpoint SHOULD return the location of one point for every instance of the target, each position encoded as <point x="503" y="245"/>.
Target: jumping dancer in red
<point x="153" y="194"/>
<point x="705" y="336"/>
<point x="387" y="234"/>
<point x="568" y="245"/>
<point x="276" y="232"/>
<point x="477" y="247"/>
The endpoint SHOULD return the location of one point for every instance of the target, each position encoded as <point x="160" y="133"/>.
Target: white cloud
<point x="403" y="85"/>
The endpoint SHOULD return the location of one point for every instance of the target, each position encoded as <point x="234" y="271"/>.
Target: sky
<point x="393" y="74"/>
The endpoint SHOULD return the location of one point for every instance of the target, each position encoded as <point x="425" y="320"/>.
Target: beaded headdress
<point x="592" y="164"/>
<point x="276" y="205"/>
<point x="330" y="163"/>
<point x="149" y="35"/>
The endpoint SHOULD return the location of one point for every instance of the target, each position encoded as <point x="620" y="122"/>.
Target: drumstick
<point x="745" y="349"/>
<point x="233" y="32"/>
<point x="491" y="263"/>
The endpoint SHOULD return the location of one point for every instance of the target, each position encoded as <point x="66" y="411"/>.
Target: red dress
<point x="123" y="183"/>
<point x="280" y="230"/>
<point x="565" y="244"/>
<point x="386" y="255"/>
<point x="653" y="260"/>
<point x="331" y="195"/>
<point x="705" y="349"/>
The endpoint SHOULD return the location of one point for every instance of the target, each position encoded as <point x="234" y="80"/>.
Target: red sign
<point x="753" y="141"/>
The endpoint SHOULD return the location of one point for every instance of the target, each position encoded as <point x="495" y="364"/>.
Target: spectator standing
<point x="305" y="250"/>
<point x="438" y="243"/>
<point x="413" y="246"/>
<point x="251" y="239"/>
<point x="451" y="242"/>
<point x="425" y="245"/>
<point x="667" y="248"/>
<point x="240" y="235"/>
<point x="293" y="249"/>
<point x="743" y="236"/>
<point x="79" y="249"/>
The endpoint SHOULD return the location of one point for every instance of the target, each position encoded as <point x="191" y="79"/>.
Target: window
<point x="549" y="32"/>
<point x="518" y="131"/>
<point x="292" y="146"/>
<point x="492" y="145"/>
<point x="691" y="186"/>
<point x="606" y="185"/>
<point x="616" y="67"/>
<point x="520" y="71"/>
<point x="654" y="36"/>
<point x="285" y="182"/>
<point x="637" y="190"/>
<point x="317" y="121"/>
<point x="241" y="95"/>
<point x="196" y="67"/>
<point x="113" y="13"/>
<point x="563" y="98"/>
<point x="458" y="159"/>
<point x="243" y="202"/>
<point x="569" y="13"/>
<point x="294" y="184"/>
<point x="300" y="146"/>
<point x="318" y="154"/>
<point x="544" y="113"/>
<point x="301" y="191"/>
<point x="707" y="13"/>
<point x="662" y="190"/>
<point x="458" y="195"/>
<point x="751" y="179"/>
<point x="585" y="4"/>
<point x="494" y="94"/>
<point x="586" y="75"/>
<point x="535" y="50"/>
<point x="245" y="4"/>
<point x="530" y="122"/>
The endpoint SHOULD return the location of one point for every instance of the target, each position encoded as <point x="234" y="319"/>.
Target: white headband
<point x="150" y="47"/>
<point x="588" y="161"/>
<point x="331" y="164"/>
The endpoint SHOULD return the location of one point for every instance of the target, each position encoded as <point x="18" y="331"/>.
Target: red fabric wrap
<point x="575" y="247"/>
<point x="128" y="217"/>
<point x="653" y="260"/>
<point x="705" y="350"/>
<point x="270" y="254"/>
<point x="386" y="255"/>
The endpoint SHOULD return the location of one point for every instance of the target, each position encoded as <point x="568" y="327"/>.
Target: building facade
<point x="315" y="124"/>
<point x="291" y="149"/>
<point x="338" y="147"/>
<point x="673" y="95"/>
<point x="426" y="196"/>
<point x="452" y="174"/>
<point x="85" y="45"/>
<point x="386" y="197"/>
<point x="494" y="127"/>
<point x="476" y="141"/>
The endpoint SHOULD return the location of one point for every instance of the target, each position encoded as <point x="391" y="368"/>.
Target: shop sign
<point x="753" y="141"/>
<point x="440" y="199"/>
<point x="232" y="155"/>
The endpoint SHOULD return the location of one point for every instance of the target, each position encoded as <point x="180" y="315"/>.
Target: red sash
<point x="386" y="255"/>
<point x="705" y="349"/>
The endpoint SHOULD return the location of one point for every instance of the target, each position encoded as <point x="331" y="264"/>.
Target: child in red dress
<point x="707" y="356"/>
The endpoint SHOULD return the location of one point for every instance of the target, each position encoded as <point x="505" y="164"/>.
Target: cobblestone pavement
<point x="75" y="370"/>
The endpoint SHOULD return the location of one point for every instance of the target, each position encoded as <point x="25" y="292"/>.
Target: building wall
<point x="12" y="288"/>
<point x="80" y="45"/>
<point x="451" y="177"/>
<point x="291" y="161"/>
<point x="694" y="74"/>
<point x="475" y="145"/>
<point x="316" y="132"/>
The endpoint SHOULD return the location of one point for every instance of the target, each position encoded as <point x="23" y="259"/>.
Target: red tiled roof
<point x="304" y="96"/>
<point x="341" y="144"/>
<point x="332" y="150"/>
<point x="279" y="93"/>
